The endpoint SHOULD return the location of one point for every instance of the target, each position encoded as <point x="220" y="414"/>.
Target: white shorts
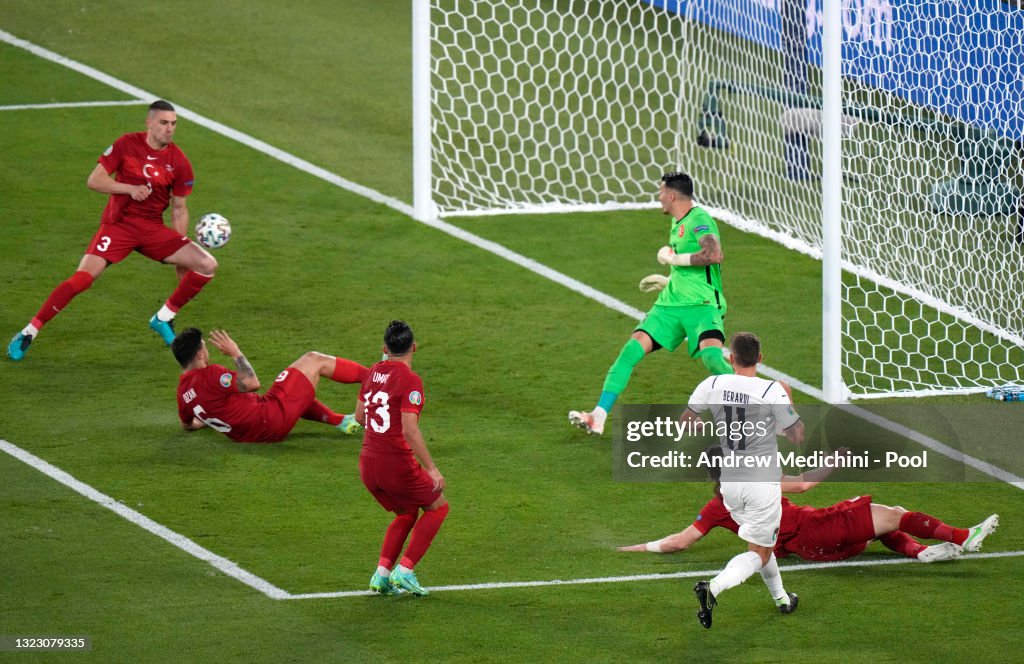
<point x="757" y="508"/>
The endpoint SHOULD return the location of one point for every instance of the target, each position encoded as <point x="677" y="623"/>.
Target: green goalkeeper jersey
<point x="688" y="284"/>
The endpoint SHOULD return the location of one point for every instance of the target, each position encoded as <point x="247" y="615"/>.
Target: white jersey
<point x="747" y="411"/>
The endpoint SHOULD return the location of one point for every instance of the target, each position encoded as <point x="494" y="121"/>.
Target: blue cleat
<point x="382" y="585"/>
<point x="408" y="581"/>
<point x="19" y="344"/>
<point x="349" y="425"/>
<point x="165" y="328"/>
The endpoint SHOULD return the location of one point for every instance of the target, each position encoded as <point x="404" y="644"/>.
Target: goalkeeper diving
<point x="690" y="304"/>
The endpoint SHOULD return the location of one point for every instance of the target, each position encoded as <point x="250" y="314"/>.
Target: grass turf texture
<point x="504" y="354"/>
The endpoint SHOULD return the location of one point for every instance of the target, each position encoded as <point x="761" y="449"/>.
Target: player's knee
<point x="315" y="357"/>
<point x="207" y="265"/>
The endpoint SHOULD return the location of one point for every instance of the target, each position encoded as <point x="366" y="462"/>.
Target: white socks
<point x="739" y="569"/>
<point x="773" y="579"/>
<point x="600" y="415"/>
<point x="165" y="314"/>
<point x="383" y="571"/>
<point x="30" y="330"/>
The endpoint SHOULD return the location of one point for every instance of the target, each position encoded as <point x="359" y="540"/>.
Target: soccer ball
<point x="213" y="231"/>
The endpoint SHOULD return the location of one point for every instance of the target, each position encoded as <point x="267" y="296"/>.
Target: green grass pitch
<point x="503" y="353"/>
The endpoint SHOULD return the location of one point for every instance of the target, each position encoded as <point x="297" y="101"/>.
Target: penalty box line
<point x="180" y="541"/>
<point x="72" y="104"/>
<point x="270" y="590"/>
<point x="704" y="574"/>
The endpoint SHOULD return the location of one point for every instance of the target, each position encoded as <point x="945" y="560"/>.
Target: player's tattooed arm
<point x="222" y="341"/>
<point x="247" y="379"/>
<point x="710" y="251"/>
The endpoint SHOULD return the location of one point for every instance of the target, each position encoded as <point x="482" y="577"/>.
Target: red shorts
<point x="398" y="482"/>
<point x="285" y="402"/>
<point x="834" y="533"/>
<point x="113" y="242"/>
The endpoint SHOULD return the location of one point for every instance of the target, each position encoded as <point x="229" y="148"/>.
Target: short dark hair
<point x="161" y="105"/>
<point x="679" y="182"/>
<point x="398" y="337"/>
<point x="745" y="347"/>
<point x="186" y="345"/>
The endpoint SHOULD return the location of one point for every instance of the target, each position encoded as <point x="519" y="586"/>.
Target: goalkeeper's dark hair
<point x="161" y="105"/>
<point x="745" y="348"/>
<point x="398" y="337"/>
<point x="186" y="345"/>
<point x="679" y="182"/>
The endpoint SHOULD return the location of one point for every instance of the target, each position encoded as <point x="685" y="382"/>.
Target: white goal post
<point x="884" y="137"/>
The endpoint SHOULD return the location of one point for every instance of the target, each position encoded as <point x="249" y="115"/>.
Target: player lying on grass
<point x="211" y="395"/>
<point x="839" y="531"/>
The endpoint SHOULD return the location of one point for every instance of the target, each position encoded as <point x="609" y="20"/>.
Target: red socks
<point x="319" y="412"/>
<point x="925" y="526"/>
<point x="188" y="288"/>
<point x="423" y="534"/>
<point x="394" y="538"/>
<point x="347" y="371"/>
<point x="902" y="543"/>
<point x="79" y="282"/>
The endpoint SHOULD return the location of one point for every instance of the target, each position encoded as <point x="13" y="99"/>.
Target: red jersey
<point x="390" y="389"/>
<point x="714" y="513"/>
<point x="167" y="172"/>
<point x="818" y="534"/>
<point x="211" y="394"/>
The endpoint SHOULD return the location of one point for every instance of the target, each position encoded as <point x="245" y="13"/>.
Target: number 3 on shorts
<point x="103" y="244"/>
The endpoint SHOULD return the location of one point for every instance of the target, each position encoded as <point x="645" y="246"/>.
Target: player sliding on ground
<point x="389" y="407"/>
<point x="691" y="305"/>
<point x="837" y="532"/>
<point x="211" y="395"/>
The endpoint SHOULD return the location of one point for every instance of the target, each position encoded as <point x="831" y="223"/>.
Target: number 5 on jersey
<point x="382" y="411"/>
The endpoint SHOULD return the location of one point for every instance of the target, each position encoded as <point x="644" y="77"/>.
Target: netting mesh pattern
<point x="561" y="104"/>
<point x="548" y="104"/>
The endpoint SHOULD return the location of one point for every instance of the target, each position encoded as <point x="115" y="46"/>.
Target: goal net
<point x="572" y="105"/>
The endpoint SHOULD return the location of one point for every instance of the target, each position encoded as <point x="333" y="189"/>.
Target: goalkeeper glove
<point x="653" y="283"/>
<point x="668" y="256"/>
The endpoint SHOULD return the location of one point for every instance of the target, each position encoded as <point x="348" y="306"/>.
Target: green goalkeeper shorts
<point x="670" y="325"/>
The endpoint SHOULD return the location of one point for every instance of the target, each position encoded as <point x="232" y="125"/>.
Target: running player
<point x="752" y="409"/>
<point x="211" y="395"/>
<point x="152" y="173"/>
<point x="691" y="305"/>
<point x="390" y="405"/>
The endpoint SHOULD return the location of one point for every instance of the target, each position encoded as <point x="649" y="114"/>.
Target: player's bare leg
<point x="195" y="267"/>
<point x="89" y="269"/>
<point x="313" y="365"/>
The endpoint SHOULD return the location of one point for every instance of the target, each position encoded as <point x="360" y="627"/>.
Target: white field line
<point x="72" y="104"/>
<point x="233" y="570"/>
<point x="932" y="444"/>
<point x="701" y="574"/>
<point x="144" y="522"/>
